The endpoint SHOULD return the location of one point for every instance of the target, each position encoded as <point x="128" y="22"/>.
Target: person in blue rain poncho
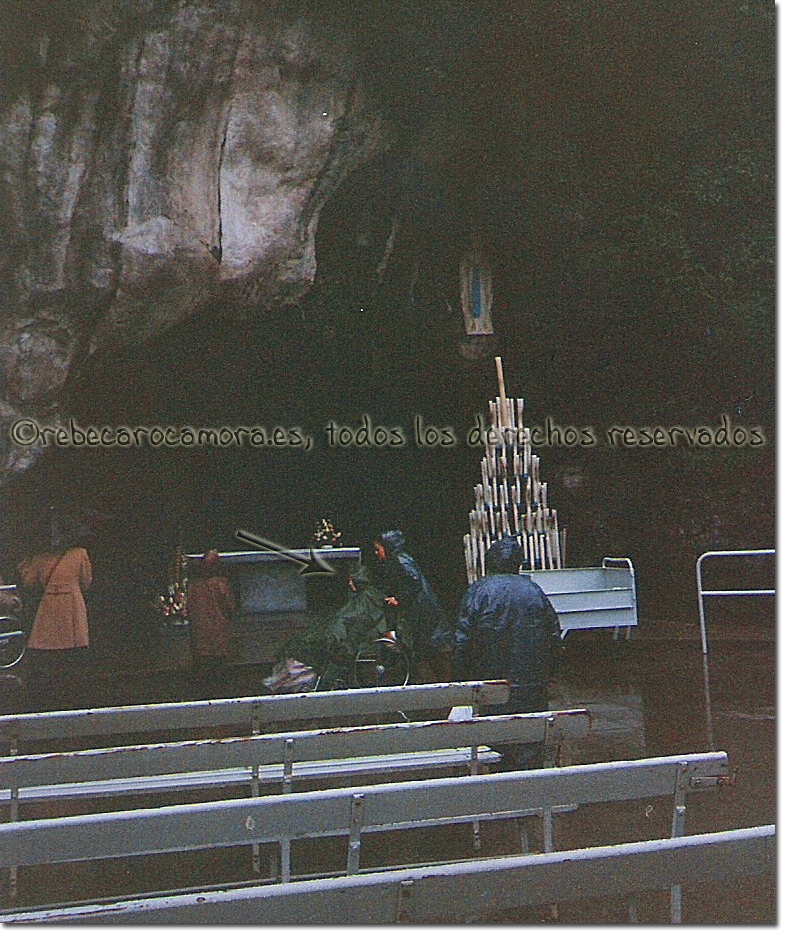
<point x="507" y="629"/>
<point x="412" y="608"/>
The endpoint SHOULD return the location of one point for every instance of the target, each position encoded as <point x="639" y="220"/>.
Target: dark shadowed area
<point x="616" y="166"/>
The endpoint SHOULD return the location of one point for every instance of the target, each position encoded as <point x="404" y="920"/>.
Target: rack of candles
<point x="511" y="498"/>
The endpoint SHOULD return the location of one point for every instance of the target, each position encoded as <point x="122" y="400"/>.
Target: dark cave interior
<point x="544" y="143"/>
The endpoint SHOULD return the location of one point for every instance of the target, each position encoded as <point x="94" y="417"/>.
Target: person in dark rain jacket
<point x="412" y="608"/>
<point x="507" y="629"/>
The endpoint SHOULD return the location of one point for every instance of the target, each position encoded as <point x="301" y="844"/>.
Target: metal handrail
<point x="759" y="552"/>
<point x="606" y="564"/>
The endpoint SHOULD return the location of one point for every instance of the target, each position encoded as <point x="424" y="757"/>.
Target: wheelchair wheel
<point x="333" y="679"/>
<point x="383" y="662"/>
<point x="12" y="641"/>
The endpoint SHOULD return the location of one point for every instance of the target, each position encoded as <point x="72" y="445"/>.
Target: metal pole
<point x="707" y="698"/>
<point x="677" y="831"/>
<point x="757" y="552"/>
<point x="698" y="566"/>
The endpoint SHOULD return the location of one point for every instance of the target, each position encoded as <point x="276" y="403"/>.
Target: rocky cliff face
<point x="155" y="157"/>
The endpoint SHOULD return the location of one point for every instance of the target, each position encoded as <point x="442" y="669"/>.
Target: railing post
<point x="256" y="859"/>
<point x="286" y="844"/>
<point x="551" y="744"/>
<point x="677" y="830"/>
<point x="701" y="605"/>
<point x="547" y="847"/>
<point x="355" y="829"/>
<point x="473" y="770"/>
<point x="13" y="816"/>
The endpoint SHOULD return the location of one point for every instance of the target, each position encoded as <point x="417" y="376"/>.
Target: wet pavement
<point x="656" y="696"/>
<point x="648" y="697"/>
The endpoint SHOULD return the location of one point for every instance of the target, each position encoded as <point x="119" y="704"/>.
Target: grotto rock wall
<point x="154" y="156"/>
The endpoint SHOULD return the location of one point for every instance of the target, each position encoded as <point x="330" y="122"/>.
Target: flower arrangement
<point x="172" y="605"/>
<point x="326" y="535"/>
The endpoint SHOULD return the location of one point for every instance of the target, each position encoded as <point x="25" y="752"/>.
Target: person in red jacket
<point x="210" y="604"/>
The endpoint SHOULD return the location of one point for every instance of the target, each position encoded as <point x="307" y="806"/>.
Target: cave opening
<point x="538" y="136"/>
<point x="355" y="353"/>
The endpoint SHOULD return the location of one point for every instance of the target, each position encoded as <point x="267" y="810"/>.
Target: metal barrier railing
<point x="703" y="593"/>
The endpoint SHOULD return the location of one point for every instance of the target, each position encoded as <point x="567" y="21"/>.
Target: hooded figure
<point x="508" y="629"/>
<point x="330" y="645"/>
<point x="361" y="618"/>
<point x="61" y="620"/>
<point x="413" y="609"/>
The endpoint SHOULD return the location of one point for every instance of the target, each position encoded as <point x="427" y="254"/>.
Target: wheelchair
<point x="383" y="662"/>
<point x="13" y="641"/>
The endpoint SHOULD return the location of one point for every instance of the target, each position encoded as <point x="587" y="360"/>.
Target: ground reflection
<point x="650" y="697"/>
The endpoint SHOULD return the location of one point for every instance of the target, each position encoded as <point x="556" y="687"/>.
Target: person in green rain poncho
<point x="331" y="645"/>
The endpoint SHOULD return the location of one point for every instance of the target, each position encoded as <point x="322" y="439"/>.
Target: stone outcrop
<point x="151" y="164"/>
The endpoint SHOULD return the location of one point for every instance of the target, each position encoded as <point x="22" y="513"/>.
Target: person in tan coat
<point x="210" y="604"/>
<point x="60" y="635"/>
<point x="61" y="620"/>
